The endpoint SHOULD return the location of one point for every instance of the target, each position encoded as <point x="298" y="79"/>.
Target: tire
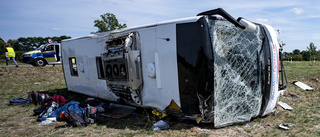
<point x="40" y="62"/>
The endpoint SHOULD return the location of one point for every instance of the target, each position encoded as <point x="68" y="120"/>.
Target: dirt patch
<point x="179" y="126"/>
<point x="316" y="81"/>
<point x="291" y="95"/>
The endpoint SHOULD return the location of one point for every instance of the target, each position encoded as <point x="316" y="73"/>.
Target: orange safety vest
<point x="10" y="52"/>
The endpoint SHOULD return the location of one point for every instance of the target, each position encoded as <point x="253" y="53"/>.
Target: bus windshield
<point x="238" y="70"/>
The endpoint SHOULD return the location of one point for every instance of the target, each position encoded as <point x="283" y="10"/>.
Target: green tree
<point x="108" y="22"/>
<point x="26" y="43"/>
<point x="312" y="49"/>
<point x="30" y="43"/>
<point x="296" y="52"/>
<point x="297" y="57"/>
<point x="2" y="46"/>
<point x="59" y="39"/>
<point x="15" y="44"/>
<point x="306" y="55"/>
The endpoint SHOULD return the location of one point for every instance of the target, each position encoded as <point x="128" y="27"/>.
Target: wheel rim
<point x="40" y="62"/>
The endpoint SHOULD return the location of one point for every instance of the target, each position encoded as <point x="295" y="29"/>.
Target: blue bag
<point x="19" y="101"/>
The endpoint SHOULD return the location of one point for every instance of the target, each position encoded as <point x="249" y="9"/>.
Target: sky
<point x="297" y="20"/>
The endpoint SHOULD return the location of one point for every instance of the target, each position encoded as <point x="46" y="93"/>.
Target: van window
<point x="73" y="66"/>
<point x="99" y="68"/>
<point x="49" y="48"/>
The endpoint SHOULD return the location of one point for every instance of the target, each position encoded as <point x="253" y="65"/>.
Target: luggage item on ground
<point x="50" y="108"/>
<point x="72" y="105"/>
<point x="72" y="118"/>
<point x="39" y="110"/>
<point x="90" y="114"/>
<point x="19" y="101"/>
<point x="59" y="99"/>
<point x="38" y="98"/>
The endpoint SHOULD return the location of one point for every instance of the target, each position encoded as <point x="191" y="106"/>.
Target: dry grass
<point x="18" y="120"/>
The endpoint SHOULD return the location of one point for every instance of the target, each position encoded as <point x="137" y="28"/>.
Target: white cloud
<point x="58" y="29"/>
<point x="297" y="11"/>
<point x="261" y="20"/>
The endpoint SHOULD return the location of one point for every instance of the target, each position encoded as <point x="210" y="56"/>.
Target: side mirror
<point x="249" y="26"/>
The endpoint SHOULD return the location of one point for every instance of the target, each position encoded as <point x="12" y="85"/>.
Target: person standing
<point x="10" y="54"/>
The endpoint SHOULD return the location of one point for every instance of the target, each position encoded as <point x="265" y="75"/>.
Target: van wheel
<point x="39" y="62"/>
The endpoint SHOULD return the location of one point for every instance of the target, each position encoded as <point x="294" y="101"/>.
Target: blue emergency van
<point x="45" y="54"/>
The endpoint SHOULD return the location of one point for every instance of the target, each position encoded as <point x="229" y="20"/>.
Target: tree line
<point x="30" y="43"/>
<point x="108" y="22"/>
<point x="23" y="44"/>
<point x="306" y="55"/>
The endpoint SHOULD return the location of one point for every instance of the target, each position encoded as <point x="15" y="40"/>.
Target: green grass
<point x="17" y="120"/>
<point x="305" y="114"/>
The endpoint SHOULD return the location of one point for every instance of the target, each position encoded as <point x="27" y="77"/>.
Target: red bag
<point x="59" y="99"/>
<point x="38" y="98"/>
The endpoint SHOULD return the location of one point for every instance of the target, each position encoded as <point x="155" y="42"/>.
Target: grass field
<point x="18" y="120"/>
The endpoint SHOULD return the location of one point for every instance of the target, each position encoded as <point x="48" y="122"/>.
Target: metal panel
<point x="134" y="69"/>
<point x="85" y="50"/>
<point x="166" y="49"/>
<point x="274" y="68"/>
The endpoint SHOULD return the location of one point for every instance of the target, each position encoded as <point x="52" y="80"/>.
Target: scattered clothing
<point x="59" y="99"/>
<point x="39" y="110"/>
<point x="38" y="98"/>
<point x="72" y="105"/>
<point x="90" y="114"/>
<point x="50" y="108"/>
<point x="19" y="101"/>
<point x="160" y="125"/>
<point x="48" y="121"/>
<point x="72" y="118"/>
<point x="73" y="112"/>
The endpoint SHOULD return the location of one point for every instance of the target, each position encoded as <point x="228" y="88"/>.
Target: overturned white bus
<point x="211" y="68"/>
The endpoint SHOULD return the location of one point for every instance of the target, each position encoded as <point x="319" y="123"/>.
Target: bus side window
<point x="100" y="68"/>
<point x="73" y="66"/>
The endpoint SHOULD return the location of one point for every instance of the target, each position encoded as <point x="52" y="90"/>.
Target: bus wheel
<point x="39" y="62"/>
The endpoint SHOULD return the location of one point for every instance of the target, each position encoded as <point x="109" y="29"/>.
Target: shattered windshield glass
<point x="238" y="61"/>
